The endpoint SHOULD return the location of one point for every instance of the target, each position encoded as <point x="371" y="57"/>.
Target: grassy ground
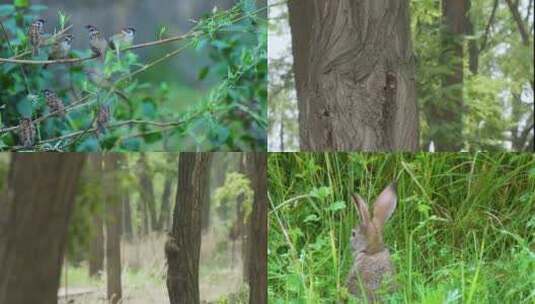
<point x="144" y="274"/>
<point x="463" y="230"/>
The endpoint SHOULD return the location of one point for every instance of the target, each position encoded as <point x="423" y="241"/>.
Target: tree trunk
<point x="113" y="226"/>
<point x="245" y="222"/>
<point x="355" y="75"/>
<point x="96" y="244"/>
<point x="445" y="116"/>
<point x="147" y="190"/>
<point x="257" y="164"/>
<point x="163" y="221"/>
<point x="42" y="188"/>
<point x="127" y="218"/>
<point x="96" y="247"/>
<point x="183" y="246"/>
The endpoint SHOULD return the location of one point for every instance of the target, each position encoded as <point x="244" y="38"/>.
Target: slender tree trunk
<point x="147" y="190"/>
<point x="183" y="246"/>
<point x="113" y="226"/>
<point x="127" y="218"/>
<point x="355" y="75"/>
<point x="163" y="221"/>
<point x="96" y="247"/>
<point x="445" y="116"/>
<point x="42" y="188"/>
<point x="258" y="242"/>
<point x="96" y="243"/>
<point x="245" y="222"/>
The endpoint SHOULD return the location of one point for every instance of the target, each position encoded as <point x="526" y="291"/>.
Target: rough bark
<point x="96" y="243"/>
<point x="41" y="190"/>
<point x="112" y="202"/>
<point x="445" y="116"/>
<point x="258" y="242"/>
<point x="183" y="246"/>
<point x="355" y="75"/>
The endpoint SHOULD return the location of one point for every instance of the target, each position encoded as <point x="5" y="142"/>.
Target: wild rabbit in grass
<point x="371" y="259"/>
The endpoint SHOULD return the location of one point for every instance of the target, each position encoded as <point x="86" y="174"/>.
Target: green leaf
<point x="203" y="73"/>
<point x="21" y="3"/>
<point x="24" y="107"/>
<point x="321" y="193"/>
<point x="6" y="10"/>
<point x="338" y="205"/>
<point x="311" y="218"/>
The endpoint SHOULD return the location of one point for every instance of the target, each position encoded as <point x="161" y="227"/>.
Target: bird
<point x="97" y="41"/>
<point x="54" y="102"/>
<point x="60" y="48"/>
<point x="27" y="132"/>
<point x="35" y="33"/>
<point x="123" y="39"/>
<point x="103" y="116"/>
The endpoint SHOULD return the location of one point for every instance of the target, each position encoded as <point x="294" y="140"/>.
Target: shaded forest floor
<point x="144" y="269"/>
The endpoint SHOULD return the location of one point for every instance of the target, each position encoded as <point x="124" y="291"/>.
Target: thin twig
<point x="69" y="60"/>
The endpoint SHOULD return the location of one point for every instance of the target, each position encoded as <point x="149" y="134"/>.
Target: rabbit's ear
<point x="384" y="206"/>
<point x="362" y="208"/>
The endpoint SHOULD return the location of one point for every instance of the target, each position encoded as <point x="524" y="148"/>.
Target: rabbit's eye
<point x="353" y="233"/>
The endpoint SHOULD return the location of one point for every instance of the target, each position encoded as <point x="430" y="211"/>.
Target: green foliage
<point x="461" y="233"/>
<point x="236" y="186"/>
<point x="239" y="54"/>
<point x="232" y="118"/>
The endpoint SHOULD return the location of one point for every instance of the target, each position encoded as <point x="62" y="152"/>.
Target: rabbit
<point x="371" y="259"/>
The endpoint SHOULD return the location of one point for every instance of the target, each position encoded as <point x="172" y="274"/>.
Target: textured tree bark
<point x="96" y="243"/>
<point x="355" y="75"/>
<point x="41" y="190"/>
<point x="112" y="202"/>
<point x="183" y="246"/>
<point x="258" y="242"/>
<point x="445" y="116"/>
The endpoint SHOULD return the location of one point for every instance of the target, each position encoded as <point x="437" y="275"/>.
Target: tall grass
<point x="463" y="230"/>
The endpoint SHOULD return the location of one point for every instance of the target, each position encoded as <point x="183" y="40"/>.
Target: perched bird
<point x="54" y="102"/>
<point x="97" y="41"/>
<point x="103" y="116"/>
<point x="60" y="48"/>
<point x="27" y="132"/>
<point x="123" y="39"/>
<point x="35" y="33"/>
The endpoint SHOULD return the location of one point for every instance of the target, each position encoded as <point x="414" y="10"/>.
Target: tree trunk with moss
<point x="355" y="75"/>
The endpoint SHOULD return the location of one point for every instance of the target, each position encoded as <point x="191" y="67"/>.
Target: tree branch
<point x="78" y="104"/>
<point x="76" y="60"/>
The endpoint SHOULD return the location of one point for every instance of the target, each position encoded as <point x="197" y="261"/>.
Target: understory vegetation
<point x="463" y="230"/>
